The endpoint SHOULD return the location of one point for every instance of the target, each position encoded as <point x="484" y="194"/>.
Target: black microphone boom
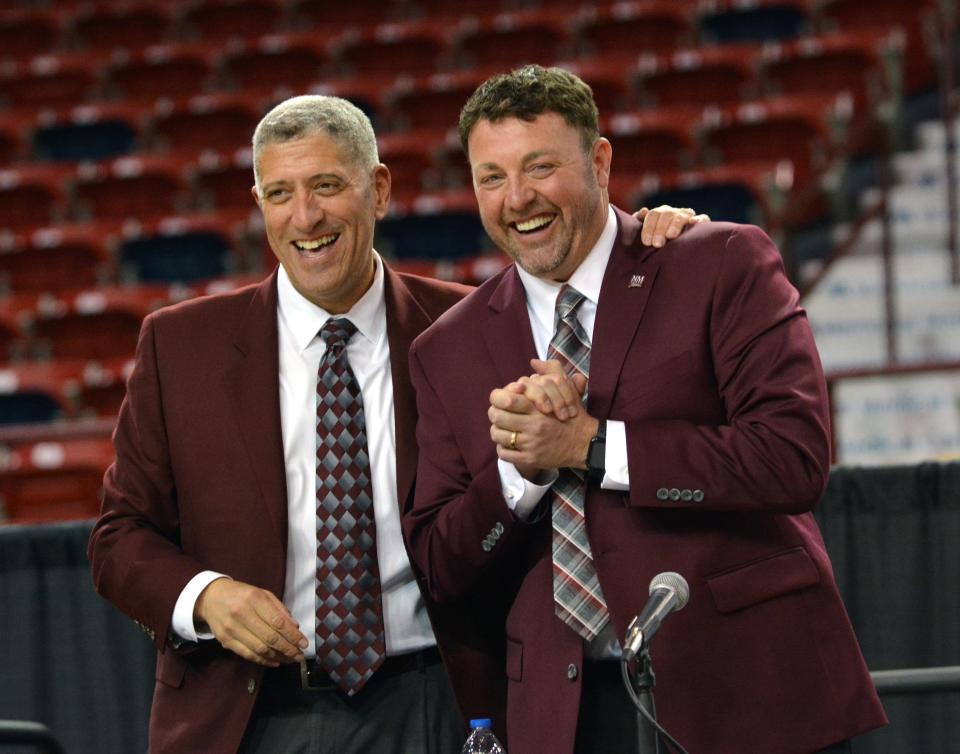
<point x="668" y="592"/>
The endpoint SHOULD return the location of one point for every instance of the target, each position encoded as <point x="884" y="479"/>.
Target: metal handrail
<point x="27" y="733"/>
<point x="917" y="680"/>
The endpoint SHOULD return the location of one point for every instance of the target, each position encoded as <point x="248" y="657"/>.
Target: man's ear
<point x="256" y="195"/>
<point x="381" y="188"/>
<point x="602" y="157"/>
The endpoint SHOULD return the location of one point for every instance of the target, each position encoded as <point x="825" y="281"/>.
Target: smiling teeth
<point x="315" y="243"/>
<point x="533" y="223"/>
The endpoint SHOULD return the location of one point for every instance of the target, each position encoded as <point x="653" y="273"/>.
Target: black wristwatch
<point x="597" y="454"/>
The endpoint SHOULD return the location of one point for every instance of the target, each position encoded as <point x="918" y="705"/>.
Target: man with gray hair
<point x="264" y="454"/>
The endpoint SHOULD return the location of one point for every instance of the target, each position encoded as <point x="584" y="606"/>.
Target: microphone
<point x="668" y="592"/>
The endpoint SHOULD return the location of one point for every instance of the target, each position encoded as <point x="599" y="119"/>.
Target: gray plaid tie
<point x="350" y="637"/>
<point x="578" y="600"/>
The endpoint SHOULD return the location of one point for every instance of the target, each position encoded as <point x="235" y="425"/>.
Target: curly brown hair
<point x="530" y="91"/>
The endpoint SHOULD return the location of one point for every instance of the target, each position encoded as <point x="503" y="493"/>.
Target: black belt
<point x="310" y="676"/>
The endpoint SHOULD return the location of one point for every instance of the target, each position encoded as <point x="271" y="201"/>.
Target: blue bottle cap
<point x="480" y="722"/>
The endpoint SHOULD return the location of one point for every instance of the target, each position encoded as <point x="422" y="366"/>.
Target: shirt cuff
<point x="617" y="476"/>
<point x="520" y="494"/>
<point x="182" y="622"/>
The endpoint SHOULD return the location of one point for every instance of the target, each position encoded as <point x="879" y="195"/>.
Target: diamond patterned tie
<point x="350" y="637"/>
<point x="578" y="601"/>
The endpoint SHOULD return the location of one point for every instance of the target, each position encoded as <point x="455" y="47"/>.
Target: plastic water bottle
<point x="482" y="739"/>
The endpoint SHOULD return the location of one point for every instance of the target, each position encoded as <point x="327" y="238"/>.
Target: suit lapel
<point x="405" y="320"/>
<point x="252" y="387"/>
<point x="507" y="332"/>
<point x="627" y="285"/>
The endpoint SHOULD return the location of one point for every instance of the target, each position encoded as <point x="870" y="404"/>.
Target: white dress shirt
<point x="521" y="494"/>
<point x="406" y="623"/>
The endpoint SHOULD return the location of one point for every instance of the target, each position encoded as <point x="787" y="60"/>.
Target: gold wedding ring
<point x="513" y="441"/>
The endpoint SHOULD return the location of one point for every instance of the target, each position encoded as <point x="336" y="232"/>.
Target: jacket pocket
<point x="514" y="660"/>
<point x="763" y="580"/>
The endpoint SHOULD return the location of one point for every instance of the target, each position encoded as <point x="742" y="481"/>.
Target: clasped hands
<point x="538" y="422"/>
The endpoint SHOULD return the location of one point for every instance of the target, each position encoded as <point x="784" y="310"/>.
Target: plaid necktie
<point x="350" y="637"/>
<point x="578" y="601"/>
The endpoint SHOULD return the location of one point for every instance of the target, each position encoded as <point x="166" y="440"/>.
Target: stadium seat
<point x="284" y="62"/>
<point x="39" y="391"/>
<point x="87" y="132"/>
<point x="222" y="180"/>
<point x="159" y="71"/>
<point x="31" y="196"/>
<point x="225" y="20"/>
<point x="328" y="17"/>
<point x="505" y="40"/>
<point x="726" y="21"/>
<point x="630" y="29"/>
<point x="432" y="226"/>
<point x="103" y="387"/>
<point x="23" y="33"/>
<point x="139" y="187"/>
<point x="208" y="121"/>
<point x="696" y="76"/>
<point x="608" y="79"/>
<point x="388" y="50"/>
<point x="430" y="102"/>
<point x="410" y="159"/>
<point x="54" y="480"/>
<point x="97" y="333"/>
<point x="57" y="259"/>
<point x="50" y="81"/>
<point x="183" y="249"/>
<point x="115" y="26"/>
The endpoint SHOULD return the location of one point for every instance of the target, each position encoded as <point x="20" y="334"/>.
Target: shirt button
<point x="511" y="495"/>
<point x="251" y="686"/>
<point x="572" y="672"/>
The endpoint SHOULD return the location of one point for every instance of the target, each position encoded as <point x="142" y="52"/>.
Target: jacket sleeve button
<point x="698" y="496"/>
<point x="251" y="686"/>
<point x="674" y="494"/>
<point x="686" y="495"/>
<point x="572" y="672"/>
<point x="663" y="494"/>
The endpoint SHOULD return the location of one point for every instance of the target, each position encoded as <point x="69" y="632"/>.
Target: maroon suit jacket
<point x="199" y="483"/>
<point x="703" y="351"/>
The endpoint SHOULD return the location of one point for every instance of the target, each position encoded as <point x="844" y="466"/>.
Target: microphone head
<point x="674" y="581"/>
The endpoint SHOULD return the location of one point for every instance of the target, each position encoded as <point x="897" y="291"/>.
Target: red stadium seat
<point x="50" y="81"/>
<point x="328" y="17"/>
<point x="25" y="33"/>
<point x="649" y="141"/>
<point x="94" y="333"/>
<point x="58" y="259"/>
<point x="112" y="26"/>
<point x="134" y="187"/>
<point x="388" y="50"/>
<point x="31" y="196"/>
<point x="224" y="20"/>
<point x="275" y="62"/>
<point x="54" y="480"/>
<point x="159" y="71"/>
<point x="410" y="159"/>
<point x="609" y="80"/>
<point x="431" y="102"/>
<point x="631" y="29"/>
<point x="697" y="76"/>
<point x="222" y="180"/>
<point x="506" y="40"/>
<point x="210" y="121"/>
<point x="849" y="62"/>
<point x="103" y="387"/>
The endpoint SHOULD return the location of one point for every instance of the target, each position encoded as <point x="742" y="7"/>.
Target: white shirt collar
<point x="304" y="319"/>
<point x="587" y="278"/>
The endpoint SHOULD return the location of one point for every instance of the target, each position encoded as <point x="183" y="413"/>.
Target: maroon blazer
<point x="703" y="351"/>
<point x="199" y="483"/>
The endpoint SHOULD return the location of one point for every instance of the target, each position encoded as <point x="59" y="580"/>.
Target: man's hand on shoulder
<point x="250" y="622"/>
<point x="665" y="223"/>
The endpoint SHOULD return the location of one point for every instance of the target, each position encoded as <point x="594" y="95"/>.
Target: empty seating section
<point x="125" y="159"/>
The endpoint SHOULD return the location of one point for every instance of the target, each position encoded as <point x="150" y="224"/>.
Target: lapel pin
<point x="636" y="281"/>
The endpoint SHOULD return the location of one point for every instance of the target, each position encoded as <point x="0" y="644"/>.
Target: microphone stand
<point x="648" y="741"/>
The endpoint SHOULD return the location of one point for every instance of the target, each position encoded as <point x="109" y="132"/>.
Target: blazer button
<point x="698" y="496"/>
<point x="572" y="672"/>
<point x="663" y="494"/>
<point x="251" y="686"/>
<point x="686" y="495"/>
<point x="486" y="545"/>
<point x="674" y="494"/>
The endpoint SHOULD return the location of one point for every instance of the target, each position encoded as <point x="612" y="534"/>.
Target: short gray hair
<point x="308" y="114"/>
